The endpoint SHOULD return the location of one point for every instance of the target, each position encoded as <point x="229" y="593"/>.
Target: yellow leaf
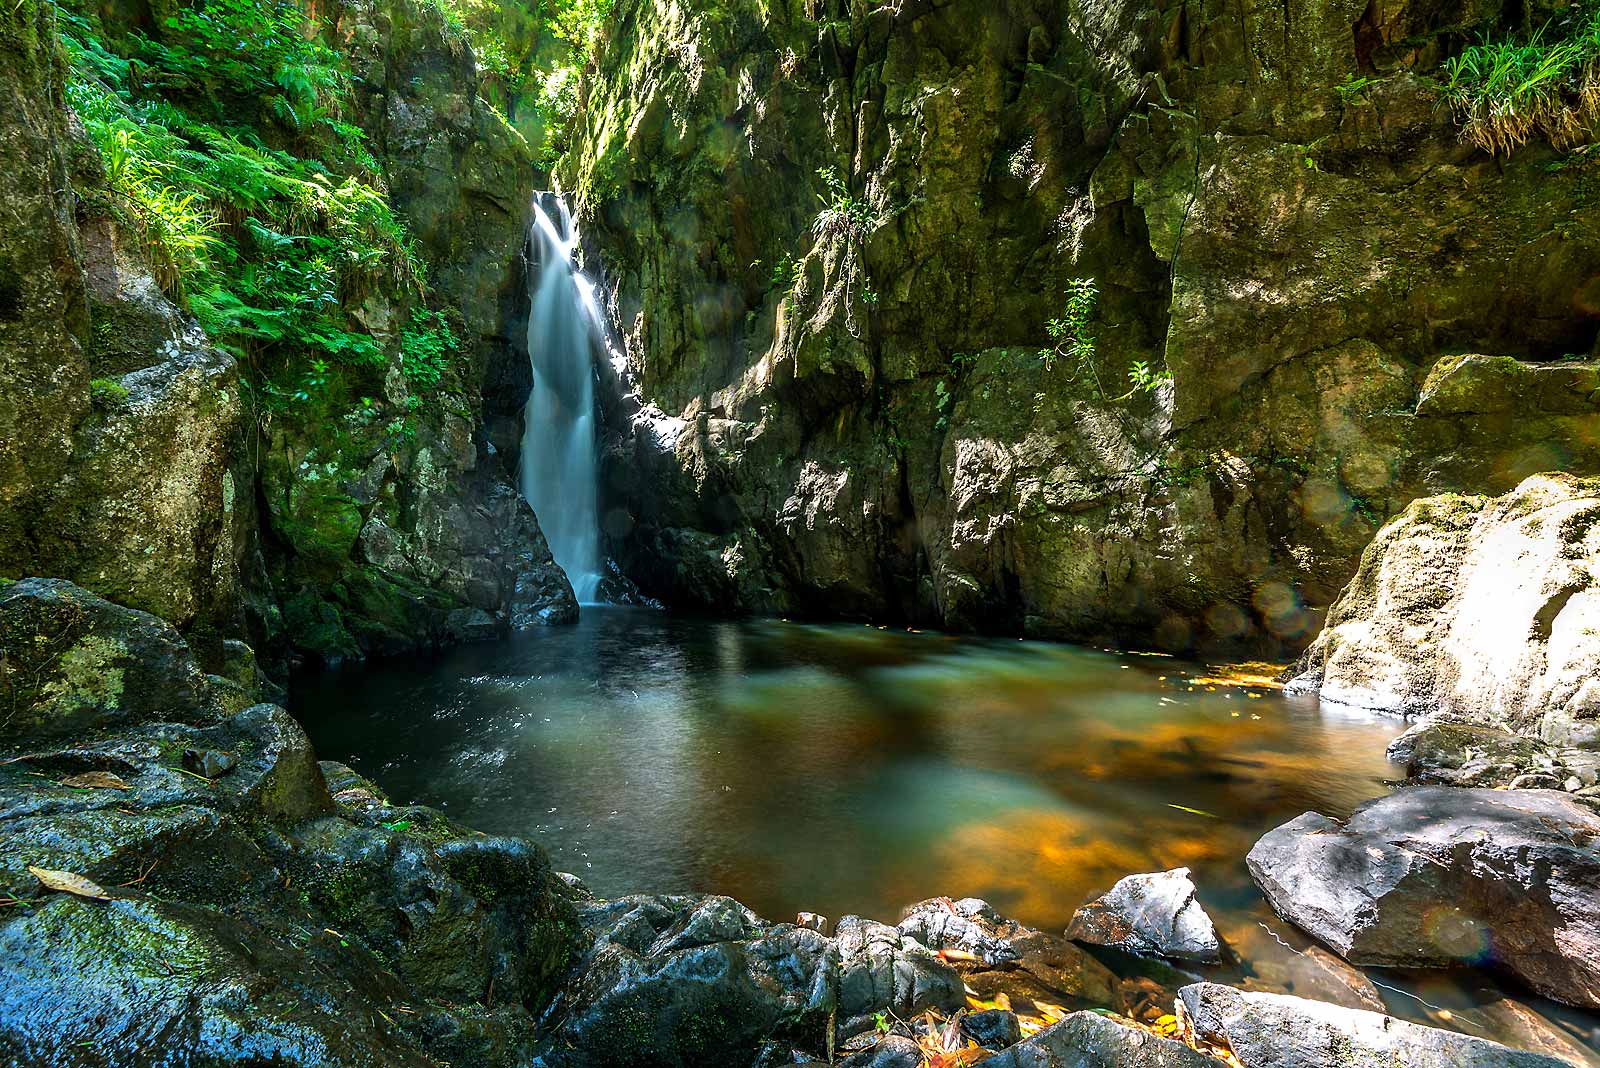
<point x="68" y="883"/>
<point x="96" y="780"/>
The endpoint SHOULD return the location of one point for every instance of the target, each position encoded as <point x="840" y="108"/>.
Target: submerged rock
<point x="1435" y="875"/>
<point x="1279" y="1031"/>
<point x="1154" y="914"/>
<point x="1487" y="608"/>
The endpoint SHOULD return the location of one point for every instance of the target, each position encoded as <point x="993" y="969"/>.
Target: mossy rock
<point x="71" y="662"/>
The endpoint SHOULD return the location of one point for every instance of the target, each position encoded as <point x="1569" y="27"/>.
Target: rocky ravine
<point x="164" y="487"/>
<point x="185" y="885"/>
<point x="837" y="406"/>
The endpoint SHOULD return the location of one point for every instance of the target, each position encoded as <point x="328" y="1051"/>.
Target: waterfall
<point x="559" y="468"/>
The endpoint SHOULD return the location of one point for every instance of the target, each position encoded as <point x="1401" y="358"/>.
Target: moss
<point x="107" y="392"/>
<point x="88" y="675"/>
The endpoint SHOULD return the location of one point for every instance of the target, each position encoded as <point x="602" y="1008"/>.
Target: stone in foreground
<point x="1434" y="875"/>
<point x="1153" y="915"/>
<point x="1488" y="608"/>
<point x="1277" y="1031"/>
<point x="1090" y="1040"/>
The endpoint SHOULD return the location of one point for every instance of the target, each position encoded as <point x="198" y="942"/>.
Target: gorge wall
<point x="140" y="459"/>
<point x="832" y="395"/>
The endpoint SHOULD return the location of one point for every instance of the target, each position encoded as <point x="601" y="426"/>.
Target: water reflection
<point x="856" y="770"/>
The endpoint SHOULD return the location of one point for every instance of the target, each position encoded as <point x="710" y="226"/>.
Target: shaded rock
<point x="1451" y="749"/>
<point x="882" y="969"/>
<point x="1153" y="914"/>
<point x="72" y="662"/>
<point x="992" y="1028"/>
<point x="1273" y="1030"/>
<point x="1090" y="1040"/>
<point x="1488" y="608"/>
<point x="679" y="981"/>
<point x="894" y="1051"/>
<point x="1435" y="875"/>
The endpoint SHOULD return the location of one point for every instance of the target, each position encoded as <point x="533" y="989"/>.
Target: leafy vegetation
<point x="842" y="213"/>
<point x="1070" y="335"/>
<point x="1503" y="92"/>
<point x="228" y="150"/>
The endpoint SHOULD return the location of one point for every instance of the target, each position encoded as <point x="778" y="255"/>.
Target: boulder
<point x="1484" y="607"/>
<point x="1276" y="1031"/>
<point x="882" y="969"/>
<point x="1435" y="875"/>
<point x="680" y="981"/>
<point x="72" y="662"/>
<point x="1453" y="750"/>
<point x="143" y="981"/>
<point x="1091" y="1040"/>
<point x="1003" y="956"/>
<point x="1154" y="914"/>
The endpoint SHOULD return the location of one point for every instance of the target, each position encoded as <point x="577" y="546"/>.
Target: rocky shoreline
<point x="174" y="848"/>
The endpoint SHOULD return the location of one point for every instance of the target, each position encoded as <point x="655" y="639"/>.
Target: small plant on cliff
<point x="426" y="347"/>
<point x="1503" y="92"/>
<point x="842" y="213"/>
<point x="1070" y="336"/>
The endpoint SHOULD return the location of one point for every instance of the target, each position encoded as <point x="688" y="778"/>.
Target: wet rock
<point x="882" y="969"/>
<point x="992" y="1028"/>
<point x="1154" y="914"/>
<point x="1435" y="875"/>
<point x="894" y="1051"/>
<point x="72" y="662"/>
<point x="465" y="919"/>
<point x="812" y="922"/>
<point x="209" y="763"/>
<point x="142" y="981"/>
<point x="1315" y="974"/>
<point x="1273" y="1030"/>
<point x="1484" y="607"/>
<point x="969" y="926"/>
<point x="679" y="980"/>
<point x="1521" y="1027"/>
<point x="1090" y="1040"/>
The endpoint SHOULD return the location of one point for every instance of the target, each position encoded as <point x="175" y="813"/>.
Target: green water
<point x="851" y="769"/>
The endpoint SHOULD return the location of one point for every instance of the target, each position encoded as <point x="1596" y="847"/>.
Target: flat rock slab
<point x="1154" y="915"/>
<point x="1279" y="1031"/>
<point x="1434" y="875"/>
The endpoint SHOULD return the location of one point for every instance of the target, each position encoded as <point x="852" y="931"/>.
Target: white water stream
<point x="559" y="446"/>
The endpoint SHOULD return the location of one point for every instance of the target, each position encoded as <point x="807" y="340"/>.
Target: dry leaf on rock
<point x="96" y="780"/>
<point x="69" y="883"/>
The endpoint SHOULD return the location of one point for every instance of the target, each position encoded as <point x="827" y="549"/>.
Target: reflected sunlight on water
<point x="850" y="769"/>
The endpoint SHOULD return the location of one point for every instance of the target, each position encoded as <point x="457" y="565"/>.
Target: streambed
<point x="851" y="769"/>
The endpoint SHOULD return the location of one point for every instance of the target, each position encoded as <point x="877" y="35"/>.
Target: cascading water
<point x="558" y="441"/>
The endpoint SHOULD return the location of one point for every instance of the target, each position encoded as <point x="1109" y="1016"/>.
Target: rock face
<point x="243" y="914"/>
<point x="1487" y="608"/>
<point x="1151" y="914"/>
<point x="840" y="408"/>
<point x="1435" y="875"/>
<point x="1273" y="1030"/>
<point x="317" y="535"/>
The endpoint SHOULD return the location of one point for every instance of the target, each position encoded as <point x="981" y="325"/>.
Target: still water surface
<point x="851" y="769"/>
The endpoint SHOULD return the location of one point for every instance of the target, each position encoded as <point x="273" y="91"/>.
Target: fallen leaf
<point x="96" y="780"/>
<point x="69" y="883"/>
